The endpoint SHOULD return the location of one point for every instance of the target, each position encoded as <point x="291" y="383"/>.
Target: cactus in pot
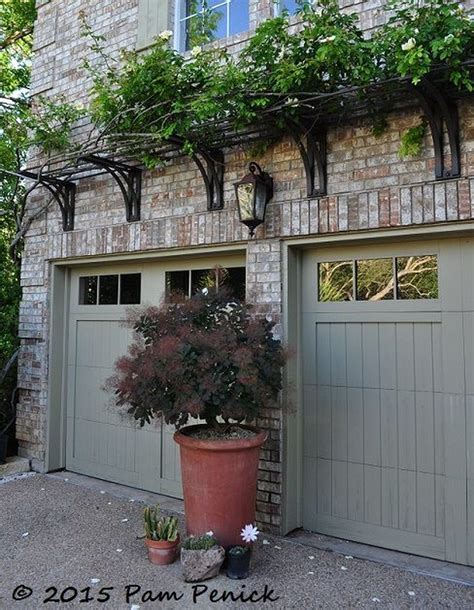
<point x="161" y="536"/>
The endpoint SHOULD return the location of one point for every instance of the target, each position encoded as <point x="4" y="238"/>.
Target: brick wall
<point x="369" y="187"/>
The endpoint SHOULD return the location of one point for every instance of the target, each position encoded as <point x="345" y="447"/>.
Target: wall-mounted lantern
<point x="253" y="193"/>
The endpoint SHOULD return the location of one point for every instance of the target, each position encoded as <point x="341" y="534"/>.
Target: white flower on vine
<point x="210" y="533"/>
<point x="409" y="44"/>
<point x="195" y="51"/>
<point x="165" y="35"/>
<point x="292" y="101"/>
<point x="328" y="39"/>
<point x="249" y="533"/>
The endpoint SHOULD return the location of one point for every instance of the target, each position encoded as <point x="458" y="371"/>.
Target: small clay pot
<point x="238" y="565"/>
<point x="161" y="552"/>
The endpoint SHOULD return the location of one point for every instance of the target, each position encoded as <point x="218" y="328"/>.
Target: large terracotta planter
<point x="219" y="484"/>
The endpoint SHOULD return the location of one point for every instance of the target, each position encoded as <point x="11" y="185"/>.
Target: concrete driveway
<point x="62" y="540"/>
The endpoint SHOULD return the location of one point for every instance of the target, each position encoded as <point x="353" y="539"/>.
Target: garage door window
<point x="379" y="279"/>
<point x="187" y="283"/>
<point x="124" y="289"/>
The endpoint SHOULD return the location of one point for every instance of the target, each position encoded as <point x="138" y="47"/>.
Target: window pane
<point x="375" y="279"/>
<point x="200" y="26"/>
<point x="130" y="288"/>
<point x="336" y="281"/>
<point x="177" y="282"/>
<point x="233" y="280"/>
<point x="203" y="280"/>
<point x="88" y="290"/>
<point x="108" y="289"/>
<point x="239" y="16"/>
<point x="417" y="277"/>
<point x="290" y="5"/>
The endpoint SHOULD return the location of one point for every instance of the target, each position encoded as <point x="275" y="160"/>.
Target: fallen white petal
<point x="265" y="542"/>
<point x="348" y="557"/>
<point x="42" y="489"/>
<point x="278" y="547"/>
<point x="124" y="520"/>
<point x="26" y="534"/>
<point x="94" y="581"/>
<point x="375" y="599"/>
<point x="135" y="607"/>
<point x="411" y="593"/>
<point x="119" y="550"/>
<point x="102" y="491"/>
<point x="109" y="503"/>
<point x="132" y="500"/>
<point x="66" y="480"/>
<point x="311" y="557"/>
<point x="310" y="572"/>
<point x="343" y="568"/>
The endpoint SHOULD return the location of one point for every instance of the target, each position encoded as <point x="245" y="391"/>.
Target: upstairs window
<point x="289" y="5"/>
<point x="202" y="21"/>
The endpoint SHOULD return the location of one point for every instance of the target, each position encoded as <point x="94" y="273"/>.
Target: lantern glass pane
<point x="261" y="201"/>
<point x="245" y="194"/>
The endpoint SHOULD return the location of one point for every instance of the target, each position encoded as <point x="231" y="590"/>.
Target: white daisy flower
<point x="249" y="533"/>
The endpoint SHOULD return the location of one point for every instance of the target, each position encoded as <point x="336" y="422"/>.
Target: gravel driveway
<point x="59" y="539"/>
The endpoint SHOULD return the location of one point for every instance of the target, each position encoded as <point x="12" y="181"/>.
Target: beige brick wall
<point x="369" y="187"/>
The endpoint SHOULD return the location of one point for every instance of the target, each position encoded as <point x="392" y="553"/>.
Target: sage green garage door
<point x="101" y="440"/>
<point x="388" y="396"/>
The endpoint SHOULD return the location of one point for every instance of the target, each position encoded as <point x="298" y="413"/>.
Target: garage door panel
<point x="389" y="380"/>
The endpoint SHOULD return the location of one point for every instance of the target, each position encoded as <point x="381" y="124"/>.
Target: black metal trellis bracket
<point x="129" y="180"/>
<point x="64" y="193"/>
<point x="442" y="116"/>
<point x="311" y="143"/>
<point x="211" y="165"/>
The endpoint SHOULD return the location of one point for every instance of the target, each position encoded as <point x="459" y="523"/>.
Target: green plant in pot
<point x="238" y="556"/>
<point x="161" y="536"/>
<point x="201" y="557"/>
<point x="208" y="357"/>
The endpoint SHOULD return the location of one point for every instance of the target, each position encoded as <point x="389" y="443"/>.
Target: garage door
<point x="101" y="441"/>
<point x="388" y="395"/>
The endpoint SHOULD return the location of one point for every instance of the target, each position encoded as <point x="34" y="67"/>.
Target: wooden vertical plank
<point x="436" y="341"/>
<point x="339" y="488"/>
<point x="423" y="357"/>
<point x="372" y="495"/>
<point x="372" y="427"/>
<point x="388" y="425"/>
<point x="406" y="431"/>
<point x="425" y="442"/>
<point x="387" y="351"/>
<point x="309" y="421"/>
<point x="439" y="433"/>
<point x="323" y="421"/>
<point x="407" y="500"/>
<point x="405" y="357"/>
<point x="338" y="354"/>
<point x="390" y="497"/>
<point x="440" y="501"/>
<point x="355" y="491"/>
<point x="354" y="355"/>
<point x="324" y="496"/>
<point x="355" y="425"/>
<point x="339" y="423"/>
<point x="323" y="354"/>
<point x="370" y="355"/>
<point x="310" y="489"/>
<point x="425" y="504"/>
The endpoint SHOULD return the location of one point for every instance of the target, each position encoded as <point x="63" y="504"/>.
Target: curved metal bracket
<point x="442" y="116"/>
<point x="311" y="143"/>
<point x="212" y="172"/>
<point x="63" y="192"/>
<point x="129" y="180"/>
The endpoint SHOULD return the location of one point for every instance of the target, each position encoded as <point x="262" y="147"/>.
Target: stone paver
<point x="56" y="534"/>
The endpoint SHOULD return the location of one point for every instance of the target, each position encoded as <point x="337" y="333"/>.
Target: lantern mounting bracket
<point x="442" y="116"/>
<point x="129" y="180"/>
<point x="311" y="143"/>
<point x="64" y="193"/>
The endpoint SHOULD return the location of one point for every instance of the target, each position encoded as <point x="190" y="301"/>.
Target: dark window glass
<point x="336" y="281"/>
<point x="375" y="279"/>
<point x="88" y="290"/>
<point x="233" y="280"/>
<point x="108" y="289"/>
<point x="177" y="282"/>
<point x="203" y="280"/>
<point x="417" y="277"/>
<point x="130" y="288"/>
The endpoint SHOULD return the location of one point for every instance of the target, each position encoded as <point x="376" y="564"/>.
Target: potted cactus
<point x="161" y="536"/>
<point x="238" y="556"/>
<point x="201" y="557"/>
<point x="208" y="357"/>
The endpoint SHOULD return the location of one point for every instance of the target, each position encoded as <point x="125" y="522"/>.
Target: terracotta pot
<point x="219" y="483"/>
<point x="161" y="552"/>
